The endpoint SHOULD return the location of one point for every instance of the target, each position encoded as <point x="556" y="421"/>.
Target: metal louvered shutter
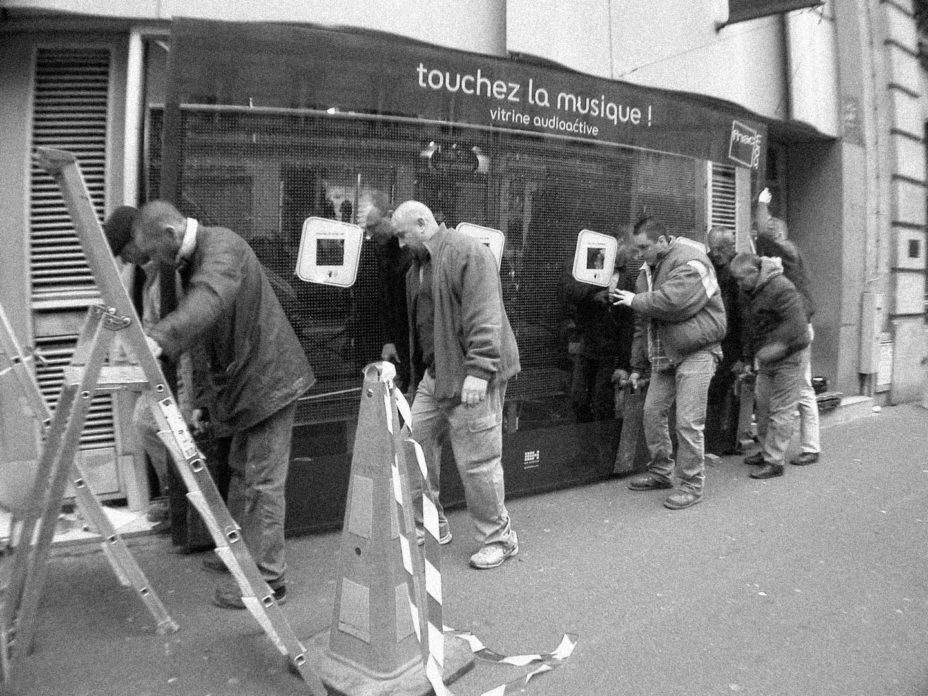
<point x="722" y="202"/>
<point x="70" y="103"/>
<point x="69" y="112"/>
<point x="57" y="352"/>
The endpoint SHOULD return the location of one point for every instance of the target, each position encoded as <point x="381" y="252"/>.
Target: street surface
<point x="813" y="584"/>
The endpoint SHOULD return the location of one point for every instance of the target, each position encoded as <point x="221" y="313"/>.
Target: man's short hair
<point x="381" y="201"/>
<point x="118" y="227"/>
<point x="776" y="229"/>
<point x="744" y="260"/>
<point x="718" y="233"/>
<point x="652" y="227"/>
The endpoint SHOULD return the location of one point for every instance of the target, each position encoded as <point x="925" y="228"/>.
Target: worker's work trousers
<point x="688" y="385"/>
<point x="476" y="435"/>
<point x="776" y="394"/>
<point x="258" y="460"/>
<point x="808" y="403"/>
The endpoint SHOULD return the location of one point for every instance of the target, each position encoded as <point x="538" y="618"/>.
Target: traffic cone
<point x="371" y="648"/>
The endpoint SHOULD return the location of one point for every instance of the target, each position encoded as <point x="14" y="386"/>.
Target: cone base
<point x="346" y="679"/>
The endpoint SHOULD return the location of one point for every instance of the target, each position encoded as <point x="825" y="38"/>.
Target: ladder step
<point x="112" y="378"/>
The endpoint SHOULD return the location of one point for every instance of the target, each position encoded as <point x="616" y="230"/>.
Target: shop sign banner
<point x="744" y="146"/>
<point x="281" y="66"/>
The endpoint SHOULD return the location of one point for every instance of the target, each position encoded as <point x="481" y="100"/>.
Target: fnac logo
<point x="744" y="145"/>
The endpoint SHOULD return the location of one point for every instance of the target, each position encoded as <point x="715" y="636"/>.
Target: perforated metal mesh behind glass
<point x="263" y="174"/>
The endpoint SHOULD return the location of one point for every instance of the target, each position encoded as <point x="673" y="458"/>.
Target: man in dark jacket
<point x="381" y="293"/>
<point x="772" y="242"/>
<point x="681" y="319"/>
<point x="256" y="369"/>
<point x="722" y="415"/>
<point x="464" y="353"/>
<point x="777" y="336"/>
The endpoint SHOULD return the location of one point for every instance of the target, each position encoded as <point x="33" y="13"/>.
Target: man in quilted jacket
<point x="680" y="323"/>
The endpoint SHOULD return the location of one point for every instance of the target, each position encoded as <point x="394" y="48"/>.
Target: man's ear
<point x="170" y="232"/>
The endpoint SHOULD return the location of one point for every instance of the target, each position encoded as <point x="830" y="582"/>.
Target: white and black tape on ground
<point x="545" y="661"/>
<point x="432" y="639"/>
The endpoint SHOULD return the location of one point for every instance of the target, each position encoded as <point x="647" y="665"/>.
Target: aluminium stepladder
<point x="41" y="515"/>
<point x="87" y="375"/>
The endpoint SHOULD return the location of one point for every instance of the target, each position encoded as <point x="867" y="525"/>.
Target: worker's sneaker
<point x="231" y="598"/>
<point x="493" y="555"/>
<point x="444" y="536"/>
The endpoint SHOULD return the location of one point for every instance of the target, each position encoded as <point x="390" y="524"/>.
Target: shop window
<point x="263" y="175"/>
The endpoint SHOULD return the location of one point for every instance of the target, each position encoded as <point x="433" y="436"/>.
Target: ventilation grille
<point x="722" y="208"/>
<point x="56" y="352"/>
<point x="69" y="113"/>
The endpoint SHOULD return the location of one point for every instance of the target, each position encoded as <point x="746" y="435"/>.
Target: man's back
<point x="256" y="363"/>
<point x="794" y="267"/>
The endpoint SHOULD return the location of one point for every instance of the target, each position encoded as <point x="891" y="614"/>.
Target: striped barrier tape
<point x="432" y="639"/>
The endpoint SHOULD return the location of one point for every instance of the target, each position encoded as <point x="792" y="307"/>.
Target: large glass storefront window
<point x="262" y="175"/>
<point x="267" y="125"/>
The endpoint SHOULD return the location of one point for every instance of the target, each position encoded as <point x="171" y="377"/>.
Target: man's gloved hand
<point x="389" y="352"/>
<point x="764" y="197"/>
<point x="620" y="377"/>
<point x="474" y="390"/>
<point x="154" y="347"/>
<point x="199" y="421"/>
<point x="633" y="380"/>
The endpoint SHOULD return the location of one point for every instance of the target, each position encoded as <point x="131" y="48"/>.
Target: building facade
<point x="157" y="101"/>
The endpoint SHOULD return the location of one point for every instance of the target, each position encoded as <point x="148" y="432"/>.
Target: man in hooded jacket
<point x="776" y="337"/>
<point x="771" y="241"/>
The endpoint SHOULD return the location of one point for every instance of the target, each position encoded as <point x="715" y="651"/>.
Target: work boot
<point x="755" y="459"/>
<point x="648" y="482"/>
<point x="682" y="499"/>
<point x="768" y="471"/>
<point x="805" y="459"/>
<point x="215" y="564"/>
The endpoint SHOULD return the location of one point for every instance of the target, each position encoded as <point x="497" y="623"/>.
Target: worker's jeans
<point x="258" y="459"/>
<point x="776" y="394"/>
<point x="808" y="404"/>
<point x="476" y="435"/>
<point x="688" y="385"/>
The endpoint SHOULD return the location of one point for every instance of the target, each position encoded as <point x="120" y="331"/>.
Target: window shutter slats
<point x="722" y="200"/>
<point x="70" y="105"/>
<point x="70" y="112"/>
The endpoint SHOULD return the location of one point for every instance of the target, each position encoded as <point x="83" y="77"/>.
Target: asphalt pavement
<point x="815" y="583"/>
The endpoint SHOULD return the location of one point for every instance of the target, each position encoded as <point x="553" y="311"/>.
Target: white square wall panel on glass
<point x="594" y="258"/>
<point x="494" y="239"/>
<point x="329" y="252"/>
